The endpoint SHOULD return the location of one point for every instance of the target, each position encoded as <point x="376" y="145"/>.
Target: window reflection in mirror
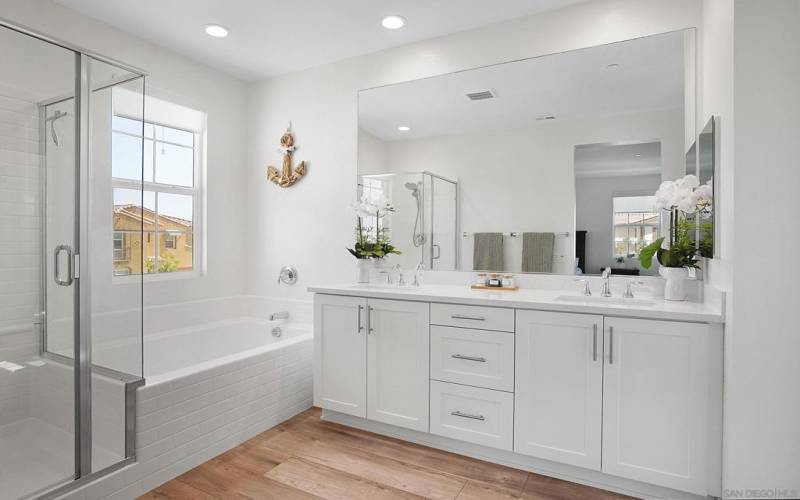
<point x="615" y="205"/>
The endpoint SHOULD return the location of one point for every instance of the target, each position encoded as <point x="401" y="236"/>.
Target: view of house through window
<point x="636" y="224"/>
<point x="165" y="211"/>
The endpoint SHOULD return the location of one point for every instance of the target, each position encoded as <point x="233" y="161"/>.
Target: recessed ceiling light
<point x="638" y="155"/>
<point x="613" y="66"/>
<point x="216" y="30"/>
<point x="403" y="128"/>
<point x="393" y="22"/>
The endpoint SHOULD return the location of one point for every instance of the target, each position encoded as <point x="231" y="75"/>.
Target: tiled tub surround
<point x="210" y="386"/>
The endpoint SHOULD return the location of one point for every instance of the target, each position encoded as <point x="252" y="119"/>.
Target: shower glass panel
<point x="444" y="222"/>
<point x="70" y="334"/>
<point x="36" y="398"/>
<point x="116" y="301"/>
<point x="424" y="224"/>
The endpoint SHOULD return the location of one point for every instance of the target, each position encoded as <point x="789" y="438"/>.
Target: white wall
<point x="192" y="85"/>
<point x="762" y="446"/>
<point x="322" y="104"/>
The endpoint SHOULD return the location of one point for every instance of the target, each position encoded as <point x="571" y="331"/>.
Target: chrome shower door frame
<point x="81" y="277"/>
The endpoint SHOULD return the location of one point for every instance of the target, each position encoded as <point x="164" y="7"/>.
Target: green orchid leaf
<point x="646" y="254"/>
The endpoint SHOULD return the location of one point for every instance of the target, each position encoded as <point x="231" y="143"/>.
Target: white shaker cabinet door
<point x="558" y="389"/>
<point x="340" y="354"/>
<point x="398" y="363"/>
<point x="655" y="402"/>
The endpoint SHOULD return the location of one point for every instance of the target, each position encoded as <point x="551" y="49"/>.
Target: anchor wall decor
<point x="287" y="177"/>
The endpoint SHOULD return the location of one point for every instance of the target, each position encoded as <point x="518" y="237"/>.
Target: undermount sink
<point x="612" y="301"/>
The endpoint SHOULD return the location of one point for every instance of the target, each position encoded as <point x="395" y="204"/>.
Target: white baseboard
<point x="545" y="467"/>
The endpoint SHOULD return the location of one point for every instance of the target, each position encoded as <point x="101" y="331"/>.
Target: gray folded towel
<point x="537" y="252"/>
<point x="487" y="252"/>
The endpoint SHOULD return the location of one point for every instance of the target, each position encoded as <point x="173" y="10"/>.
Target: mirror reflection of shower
<point x="53" y="132"/>
<point x="424" y="225"/>
<point x="418" y="235"/>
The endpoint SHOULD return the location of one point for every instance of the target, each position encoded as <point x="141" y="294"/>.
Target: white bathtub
<point x="179" y="353"/>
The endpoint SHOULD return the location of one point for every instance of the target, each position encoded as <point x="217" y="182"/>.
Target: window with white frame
<point x="636" y="224"/>
<point x="157" y="201"/>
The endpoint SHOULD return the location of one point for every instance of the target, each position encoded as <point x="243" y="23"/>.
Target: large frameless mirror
<point x="545" y="165"/>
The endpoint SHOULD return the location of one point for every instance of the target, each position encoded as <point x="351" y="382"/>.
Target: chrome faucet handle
<point x="629" y="288"/>
<point x="417" y="271"/>
<point x="586" y="290"/>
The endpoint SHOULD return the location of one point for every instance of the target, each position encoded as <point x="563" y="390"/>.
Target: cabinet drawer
<point x="484" y="318"/>
<point x="473" y="357"/>
<point x="480" y="416"/>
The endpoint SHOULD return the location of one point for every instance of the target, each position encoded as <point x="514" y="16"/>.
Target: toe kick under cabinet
<point x="632" y="398"/>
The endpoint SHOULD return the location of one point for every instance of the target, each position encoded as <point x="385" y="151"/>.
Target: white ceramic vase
<point x="676" y="286"/>
<point x="363" y="270"/>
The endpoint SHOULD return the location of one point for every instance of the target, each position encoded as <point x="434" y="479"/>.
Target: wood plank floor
<point x="306" y="457"/>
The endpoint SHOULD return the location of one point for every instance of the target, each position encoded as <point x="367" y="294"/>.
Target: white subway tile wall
<point x="20" y="233"/>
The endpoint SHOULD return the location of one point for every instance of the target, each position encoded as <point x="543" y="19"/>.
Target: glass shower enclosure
<point x="424" y="225"/>
<point x="70" y="335"/>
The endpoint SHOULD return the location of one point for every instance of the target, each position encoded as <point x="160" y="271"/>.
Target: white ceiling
<point x="272" y="37"/>
<point x="570" y="85"/>
<point x="604" y="160"/>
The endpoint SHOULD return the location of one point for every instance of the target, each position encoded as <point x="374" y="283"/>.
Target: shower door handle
<point x="57" y="265"/>
<point x="437" y="251"/>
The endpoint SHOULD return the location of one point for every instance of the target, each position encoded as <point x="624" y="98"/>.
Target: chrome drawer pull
<point x="468" y="358"/>
<point x="610" y="345"/>
<point x="467" y="415"/>
<point x="472" y="318"/>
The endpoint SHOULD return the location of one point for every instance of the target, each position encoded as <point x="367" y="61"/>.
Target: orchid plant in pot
<point x="685" y="200"/>
<point x="372" y="243"/>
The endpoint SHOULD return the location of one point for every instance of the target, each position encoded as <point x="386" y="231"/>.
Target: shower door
<point x="64" y="420"/>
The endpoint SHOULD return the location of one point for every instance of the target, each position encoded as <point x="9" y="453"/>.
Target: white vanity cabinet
<point x="372" y="359"/>
<point x="397" y="363"/>
<point x="559" y="387"/>
<point x="340" y="341"/>
<point x="656" y="402"/>
<point x="591" y="394"/>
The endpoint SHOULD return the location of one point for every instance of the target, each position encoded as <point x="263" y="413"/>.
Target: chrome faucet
<point x="606" y="282"/>
<point x="279" y="315"/>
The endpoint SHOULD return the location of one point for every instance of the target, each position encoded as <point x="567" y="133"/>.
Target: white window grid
<point x="195" y="191"/>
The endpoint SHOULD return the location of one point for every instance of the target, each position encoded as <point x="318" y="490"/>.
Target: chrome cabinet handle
<point x="57" y="265"/>
<point x="360" y="308"/>
<point x="610" y="345"/>
<point x="468" y="358"/>
<point x="467" y="415"/>
<point x="594" y="342"/>
<point x="472" y="318"/>
<point x="369" y="320"/>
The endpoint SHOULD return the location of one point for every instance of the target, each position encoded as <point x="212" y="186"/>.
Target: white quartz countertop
<point x="549" y="300"/>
